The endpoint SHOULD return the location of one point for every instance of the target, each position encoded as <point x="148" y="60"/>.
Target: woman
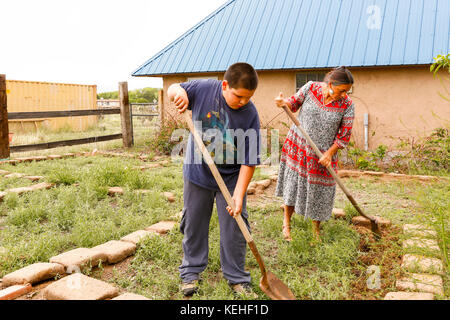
<point x="326" y="114"/>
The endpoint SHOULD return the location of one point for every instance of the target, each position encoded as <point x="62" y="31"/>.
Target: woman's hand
<point x="280" y="101"/>
<point x="238" y="203"/>
<point x="326" y="159"/>
<point x="328" y="156"/>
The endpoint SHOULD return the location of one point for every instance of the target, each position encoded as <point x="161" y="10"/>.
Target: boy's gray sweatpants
<point x="198" y="207"/>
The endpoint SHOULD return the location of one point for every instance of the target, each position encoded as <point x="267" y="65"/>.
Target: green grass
<point x="39" y="225"/>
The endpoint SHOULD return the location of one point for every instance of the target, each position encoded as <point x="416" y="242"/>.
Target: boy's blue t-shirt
<point x="231" y="136"/>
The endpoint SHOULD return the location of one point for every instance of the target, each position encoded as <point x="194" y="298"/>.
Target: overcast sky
<point x="97" y="42"/>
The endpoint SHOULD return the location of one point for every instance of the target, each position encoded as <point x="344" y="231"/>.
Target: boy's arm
<point x="179" y="97"/>
<point x="245" y="176"/>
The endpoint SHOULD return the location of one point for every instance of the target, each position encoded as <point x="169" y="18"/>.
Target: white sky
<point x="97" y="42"/>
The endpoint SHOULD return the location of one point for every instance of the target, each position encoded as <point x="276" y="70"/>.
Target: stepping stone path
<point x="162" y="227"/>
<point x="130" y="296"/>
<point x="258" y="187"/>
<point x="427" y="282"/>
<point x="364" y="222"/>
<point x="78" y="286"/>
<point x="79" y="258"/>
<point x="409" y="296"/>
<point x="169" y="196"/>
<point x="34" y="273"/>
<point x="338" y="213"/>
<point x="115" y="191"/>
<point x="138" y="236"/>
<point x="19" y="191"/>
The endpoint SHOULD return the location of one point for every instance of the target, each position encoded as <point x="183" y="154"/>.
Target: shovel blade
<point x="274" y="288"/>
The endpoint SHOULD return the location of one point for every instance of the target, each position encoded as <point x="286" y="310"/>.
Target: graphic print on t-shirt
<point x="219" y="138"/>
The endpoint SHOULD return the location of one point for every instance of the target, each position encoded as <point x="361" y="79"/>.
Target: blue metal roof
<point x="309" y="34"/>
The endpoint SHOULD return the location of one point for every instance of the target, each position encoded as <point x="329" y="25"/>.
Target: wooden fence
<point x="124" y="111"/>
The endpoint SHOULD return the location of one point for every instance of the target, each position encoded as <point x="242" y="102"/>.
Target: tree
<point x="442" y="63"/>
<point x="145" y="95"/>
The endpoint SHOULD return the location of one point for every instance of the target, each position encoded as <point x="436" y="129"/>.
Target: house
<point x="388" y="45"/>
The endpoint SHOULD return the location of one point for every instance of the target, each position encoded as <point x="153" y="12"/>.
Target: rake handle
<point x="330" y="169"/>
<point x="226" y="193"/>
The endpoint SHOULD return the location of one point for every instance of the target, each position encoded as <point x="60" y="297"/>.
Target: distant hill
<point x="145" y="95"/>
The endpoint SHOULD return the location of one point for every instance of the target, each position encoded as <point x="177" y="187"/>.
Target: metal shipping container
<point x="29" y="96"/>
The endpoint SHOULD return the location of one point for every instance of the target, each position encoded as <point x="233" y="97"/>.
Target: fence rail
<point x="65" y="143"/>
<point x="61" y="114"/>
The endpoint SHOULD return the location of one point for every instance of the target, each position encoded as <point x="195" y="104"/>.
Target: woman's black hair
<point x="339" y="76"/>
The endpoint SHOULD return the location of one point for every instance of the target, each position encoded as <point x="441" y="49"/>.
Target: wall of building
<point x="402" y="102"/>
<point x="29" y="96"/>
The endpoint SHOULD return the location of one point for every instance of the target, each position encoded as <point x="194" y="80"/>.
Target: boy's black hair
<point x="242" y="75"/>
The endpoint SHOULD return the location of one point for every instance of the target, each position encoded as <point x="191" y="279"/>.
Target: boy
<point x="223" y="107"/>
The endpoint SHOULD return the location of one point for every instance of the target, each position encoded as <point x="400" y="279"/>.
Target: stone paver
<point x="115" y="191"/>
<point x="422" y="282"/>
<point x="14" y="176"/>
<point x="3" y="172"/>
<point x="33" y="274"/>
<point x="116" y="251"/>
<point x="419" y="230"/>
<point x="13" y="292"/>
<point x="414" y="263"/>
<point x="54" y="157"/>
<point x="80" y="287"/>
<point x="131" y="297"/>
<point x="169" y="196"/>
<point x="362" y="221"/>
<point x="428" y="244"/>
<point x="80" y="258"/>
<point x="35" y="187"/>
<point x="409" y="296"/>
<point x="162" y="227"/>
<point x="34" y="178"/>
<point x="138" y="236"/>
<point x="338" y="213"/>
<point x="264" y="183"/>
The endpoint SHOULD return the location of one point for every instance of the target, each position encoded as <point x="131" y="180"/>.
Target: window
<point x="304" y="77"/>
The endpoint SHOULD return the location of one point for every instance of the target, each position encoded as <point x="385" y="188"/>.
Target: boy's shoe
<point x="244" y="289"/>
<point x="189" y="288"/>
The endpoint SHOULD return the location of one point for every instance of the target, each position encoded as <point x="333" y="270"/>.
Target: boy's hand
<point x="238" y="204"/>
<point x="280" y="101"/>
<point x="181" y="100"/>
<point x="179" y="97"/>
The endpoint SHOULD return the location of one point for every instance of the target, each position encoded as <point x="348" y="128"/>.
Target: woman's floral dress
<point x="303" y="182"/>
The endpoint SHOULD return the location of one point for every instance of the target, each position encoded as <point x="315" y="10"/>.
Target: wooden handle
<point x="223" y="188"/>
<point x="330" y="169"/>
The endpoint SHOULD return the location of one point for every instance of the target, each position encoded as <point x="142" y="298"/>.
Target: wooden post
<point x="127" y="129"/>
<point x="4" y="129"/>
<point x="161" y="108"/>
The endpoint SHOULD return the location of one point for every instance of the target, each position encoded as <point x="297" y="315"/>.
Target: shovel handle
<point x="330" y="169"/>
<point x="223" y="188"/>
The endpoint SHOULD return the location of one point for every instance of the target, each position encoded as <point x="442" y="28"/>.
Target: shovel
<point x="269" y="284"/>
<point x="373" y="222"/>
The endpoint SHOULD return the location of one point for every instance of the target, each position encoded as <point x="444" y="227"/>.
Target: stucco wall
<point x="401" y="102"/>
